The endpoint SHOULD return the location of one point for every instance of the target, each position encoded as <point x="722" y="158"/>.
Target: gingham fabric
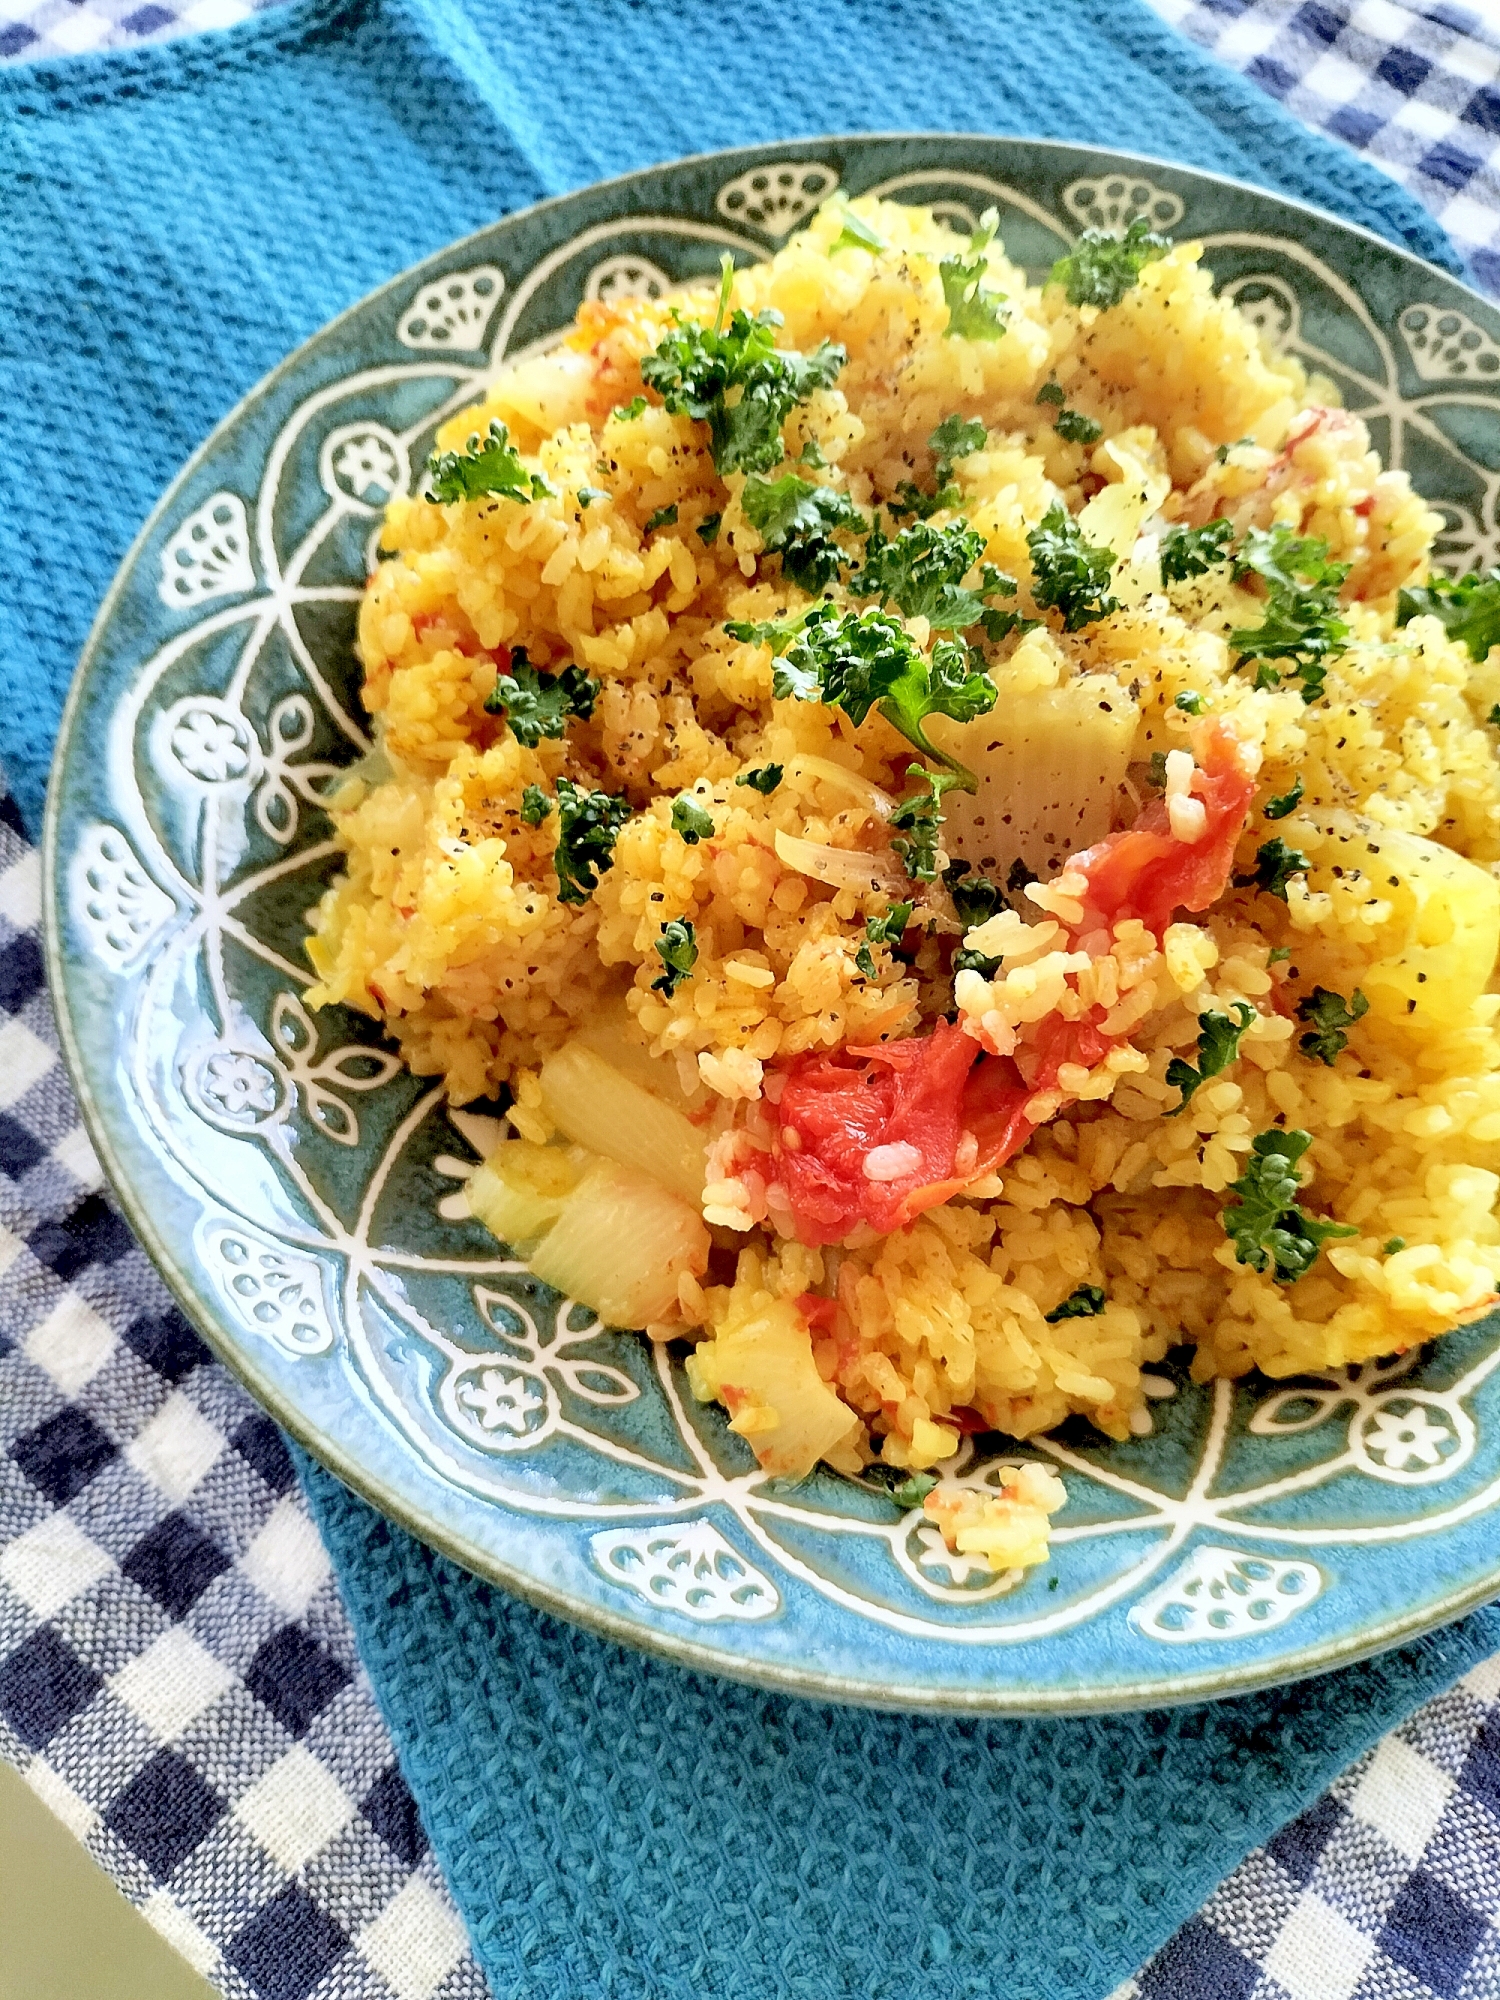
<point x="177" y="1678"/>
<point x="178" y="1681"/>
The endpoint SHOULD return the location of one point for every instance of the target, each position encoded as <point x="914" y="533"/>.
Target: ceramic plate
<point x="303" y="1193"/>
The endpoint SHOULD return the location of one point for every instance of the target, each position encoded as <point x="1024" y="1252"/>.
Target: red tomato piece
<point x="1146" y="873"/>
<point x="816" y="1310"/>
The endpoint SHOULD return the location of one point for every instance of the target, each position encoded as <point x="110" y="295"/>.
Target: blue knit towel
<point x="174" y="220"/>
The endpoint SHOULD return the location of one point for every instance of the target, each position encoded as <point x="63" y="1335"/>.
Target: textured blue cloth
<point x="175" y="220"/>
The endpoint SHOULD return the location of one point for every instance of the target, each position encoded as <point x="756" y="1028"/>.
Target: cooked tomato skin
<point x="925" y="1093"/>
<point x="1144" y="872"/>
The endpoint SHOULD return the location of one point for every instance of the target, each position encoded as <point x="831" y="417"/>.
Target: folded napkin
<point x="176" y="219"/>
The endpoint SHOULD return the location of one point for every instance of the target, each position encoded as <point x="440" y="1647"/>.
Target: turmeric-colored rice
<point x="448" y="925"/>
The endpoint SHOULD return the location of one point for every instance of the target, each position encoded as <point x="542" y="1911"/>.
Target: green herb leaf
<point x="891" y="928"/>
<point x="664" y="517"/>
<point x="1329" y="1016"/>
<point x="864" y="961"/>
<point x="796" y="520"/>
<point x="1395" y="1246"/>
<point x="535" y="805"/>
<point x="707" y="529"/>
<point x="1275" y="865"/>
<point x="975" y="897"/>
<point x="695" y="368"/>
<point x="1302" y="625"/>
<point x="955" y="437"/>
<point x="856" y="660"/>
<point x="1218" y="1046"/>
<point x="856" y="233"/>
<point x="677" y="948"/>
<point x="907" y="1489"/>
<point x="921" y="573"/>
<point x="1076" y="428"/>
<point x="1053" y="393"/>
<point x="1190" y="702"/>
<point x="1086" y="1303"/>
<point x="1189" y="552"/>
<point x="491" y="465"/>
<point x="764" y="780"/>
<point x="1469" y="607"/>
<point x="1224" y="450"/>
<point x="1102" y="267"/>
<point x="538" y="704"/>
<point x="1279" y="954"/>
<point x="587" y="495"/>
<point x="626" y="411"/>
<point x="690" y="820"/>
<point x="1286" y="802"/>
<point x="910" y="499"/>
<point x="1268" y="1229"/>
<point x="974" y="313"/>
<point x="588" y="825"/>
<point x="918" y="821"/>
<point x="777" y="633"/>
<point x="975" y="961"/>
<point x="1069" y="574"/>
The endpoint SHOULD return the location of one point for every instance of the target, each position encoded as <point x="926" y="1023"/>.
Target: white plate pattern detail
<point x="179" y="888"/>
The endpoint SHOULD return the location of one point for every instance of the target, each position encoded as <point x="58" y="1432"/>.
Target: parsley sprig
<point x="888" y="931"/>
<point x="695" y="369"/>
<point x="918" y="819"/>
<point x="974" y="312"/>
<point x="1268" y="1229"/>
<point x="677" y="948"/>
<point x="1302" y="627"/>
<point x="1070" y="574"/>
<point x="955" y="438"/>
<point x="1190" y="552"/>
<point x="1086" y="1303"/>
<point x="921" y="573"/>
<point x="1330" y="1016"/>
<point x="1285" y="802"/>
<point x="488" y="465"/>
<point x="796" y="520"/>
<point x="764" y="779"/>
<point x="1469" y="607"/>
<point x="1102" y="267"/>
<point x="588" y="825"/>
<point x="861" y="660"/>
<point x="536" y="703"/>
<point x="1275" y="865"/>
<point x="975" y="897"/>
<point x="1218" y="1046"/>
<point x="907" y="1489"/>
<point x="690" y="820"/>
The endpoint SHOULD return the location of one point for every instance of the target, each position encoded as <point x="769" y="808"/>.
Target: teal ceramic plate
<point x="302" y="1192"/>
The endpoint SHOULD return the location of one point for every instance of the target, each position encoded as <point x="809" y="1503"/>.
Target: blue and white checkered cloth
<point x="177" y="1677"/>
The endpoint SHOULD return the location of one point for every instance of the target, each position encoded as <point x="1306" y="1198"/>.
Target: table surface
<point x="178" y="1682"/>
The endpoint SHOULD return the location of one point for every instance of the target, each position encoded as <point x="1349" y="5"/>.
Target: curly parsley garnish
<point x="535" y="805"/>
<point x="763" y="780"/>
<point x="588" y="824"/>
<point x="1302" y="626"/>
<point x="695" y="369"/>
<point x="538" y="704"/>
<point x="1076" y="428"/>
<point x="625" y="413"/>
<point x="921" y="573"/>
<point x="1285" y="802"/>
<point x="975" y="897"/>
<point x="707" y="529"/>
<point x="1218" y="1046"/>
<point x="888" y="931"/>
<point x="974" y="313"/>
<point x="1267" y="1227"/>
<point x="677" y="948"/>
<point x="796" y="520"/>
<point x="690" y="820"/>
<point x="1469" y="607"/>
<point x="955" y="437"/>
<point x="1102" y="267"/>
<point x="1086" y="1303"/>
<point x="1275" y="865"/>
<point x="664" y="517"/>
<point x="918" y="820"/>
<point x="490" y="465"/>
<point x="1330" y="1016"/>
<point x="1190" y="552"/>
<point x="1069" y="574"/>
<point x="857" y="661"/>
<point x="587" y="495"/>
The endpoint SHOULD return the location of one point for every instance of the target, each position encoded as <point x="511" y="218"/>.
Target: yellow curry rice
<point x="631" y="557"/>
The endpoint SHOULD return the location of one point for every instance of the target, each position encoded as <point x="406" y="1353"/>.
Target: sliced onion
<point x="838" y="867"/>
<point x="827" y="772"/>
